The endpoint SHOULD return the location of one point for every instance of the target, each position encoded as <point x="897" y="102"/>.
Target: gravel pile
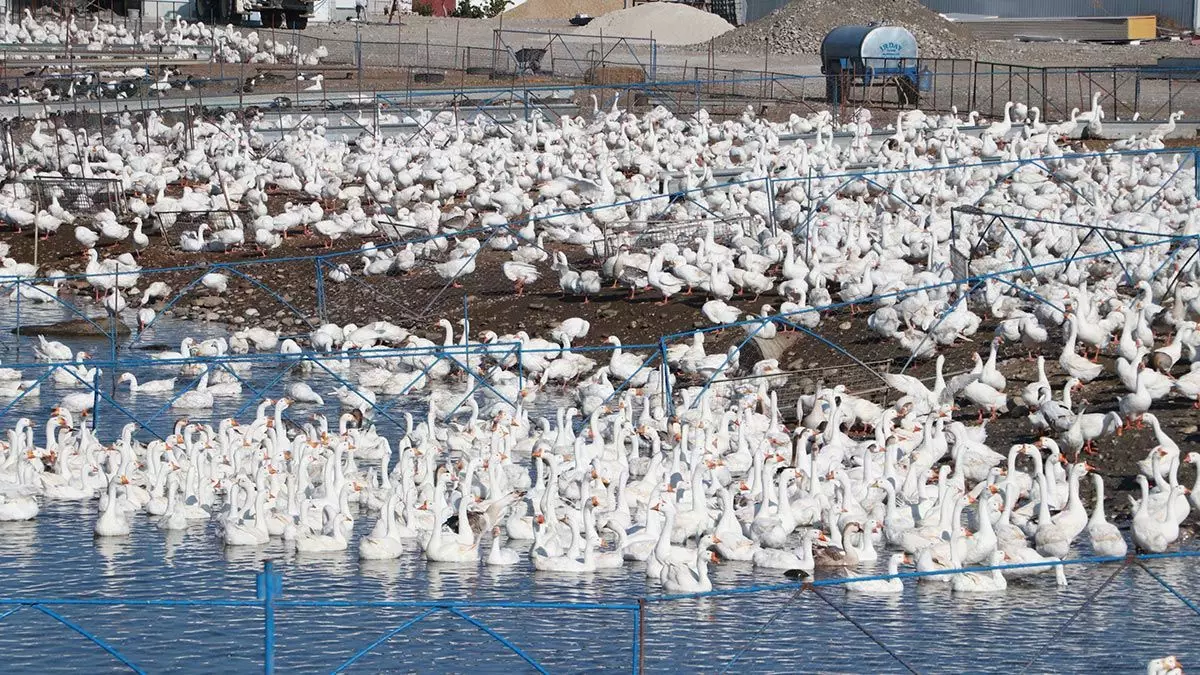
<point x="669" y="23"/>
<point x="799" y="27"/>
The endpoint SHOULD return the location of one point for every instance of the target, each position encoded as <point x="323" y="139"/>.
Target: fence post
<point x="653" y="60"/>
<point x="269" y="587"/>
<point x="668" y="392"/>
<point x="639" y="642"/>
<point x="1170" y="94"/>
<point x="520" y="369"/>
<point x="320" y="274"/>
<point x="1195" y="186"/>
<point x="18" y="302"/>
<point x="771" y="206"/>
<point x="1137" y="92"/>
<point x="112" y="342"/>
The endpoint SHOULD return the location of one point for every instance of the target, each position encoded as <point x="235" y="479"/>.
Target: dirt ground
<point x="417" y="300"/>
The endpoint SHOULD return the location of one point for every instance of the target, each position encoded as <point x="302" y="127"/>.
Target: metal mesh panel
<point x="83" y="197"/>
<point x="644" y="236"/>
<point x="219" y="219"/>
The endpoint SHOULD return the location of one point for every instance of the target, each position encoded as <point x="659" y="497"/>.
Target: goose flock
<point x="171" y="36"/>
<point x="175" y="40"/>
<point x="637" y="469"/>
<point x="724" y="479"/>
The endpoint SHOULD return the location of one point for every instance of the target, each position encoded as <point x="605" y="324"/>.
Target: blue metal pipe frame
<point x="269" y="588"/>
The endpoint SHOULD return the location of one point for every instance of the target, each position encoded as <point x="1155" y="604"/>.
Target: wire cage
<point x="216" y="220"/>
<point x="646" y="235"/>
<point x="83" y="197"/>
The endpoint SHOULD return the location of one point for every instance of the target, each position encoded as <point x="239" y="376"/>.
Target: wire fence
<point x="526" y="60"/>
<point x="500" y="372"/>
<point x="650" y="641"/>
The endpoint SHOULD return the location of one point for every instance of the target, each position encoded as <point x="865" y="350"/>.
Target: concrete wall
<point x="152" y="9"/>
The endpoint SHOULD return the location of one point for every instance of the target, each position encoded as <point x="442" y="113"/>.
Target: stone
<point x="845" y="325"/>
<point x="250" y="311"/>
<point x="77" y="328"/>
<point x="209" y="301"/>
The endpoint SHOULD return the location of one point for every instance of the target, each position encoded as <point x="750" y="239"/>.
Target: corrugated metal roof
<point x="1178" y="12"/>
<point x="1063" y="28"/>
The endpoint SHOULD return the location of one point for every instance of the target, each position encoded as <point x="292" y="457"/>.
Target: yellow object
<point x="1142" y="27"/>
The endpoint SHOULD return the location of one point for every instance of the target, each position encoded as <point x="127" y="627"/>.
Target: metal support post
<point x="1196" y="171"/>
<point x="639" y="645"/>
<point x="269" y="587"/>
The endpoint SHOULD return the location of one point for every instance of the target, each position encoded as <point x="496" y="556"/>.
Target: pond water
<point x="55" y="556"/>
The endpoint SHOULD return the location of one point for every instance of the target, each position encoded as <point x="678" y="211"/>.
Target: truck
<point x="273" y="13"/>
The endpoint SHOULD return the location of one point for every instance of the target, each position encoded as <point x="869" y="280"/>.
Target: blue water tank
<point x="869" y="46"/>
<point x="865" y="52"/>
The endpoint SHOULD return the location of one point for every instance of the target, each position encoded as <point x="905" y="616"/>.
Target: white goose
<point x="1105" y="537"/>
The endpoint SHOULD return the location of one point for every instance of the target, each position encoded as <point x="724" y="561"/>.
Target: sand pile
<point x="799" y="26"/>
<point x="562" y="9"/>
<point x="669" y="23"/>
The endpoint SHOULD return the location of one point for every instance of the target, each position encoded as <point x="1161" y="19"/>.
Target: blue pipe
<point x="112" y="651"/>
<point x="384" y="638"/>
<point x="499" y="638"/>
